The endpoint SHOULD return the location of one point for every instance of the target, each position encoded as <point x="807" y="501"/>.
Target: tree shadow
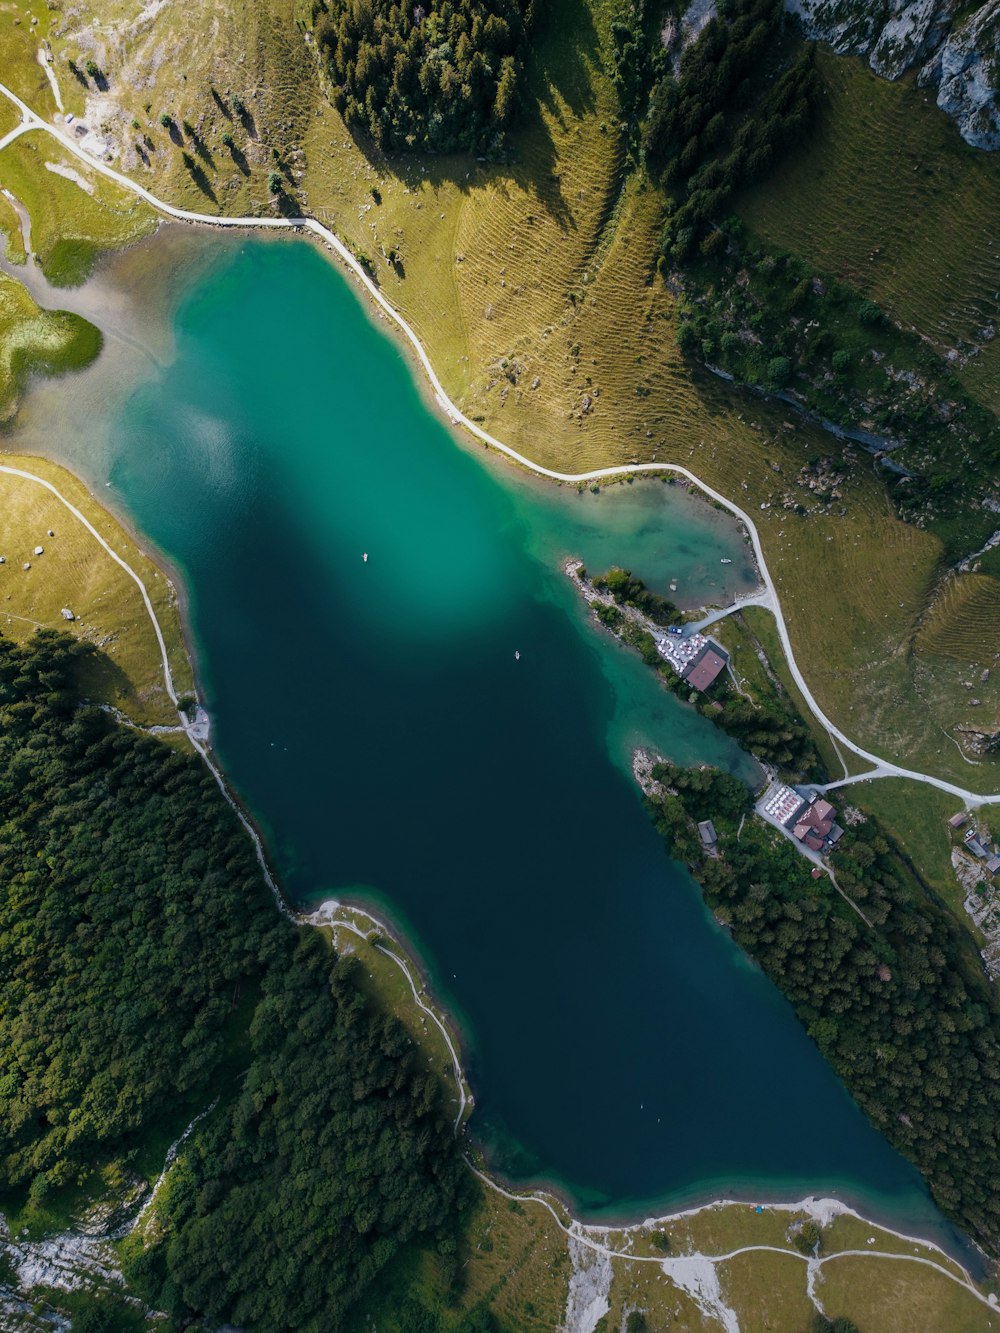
<point x="202" y="149"/>
<point x="287" y="205"/>
<point x="197" y="174"/>
<point x="101" y="81"/>
<point x="98" y="678"/>
<point x="239" y="157"/>
<point x="221" y="104"/>
<point x="247" y="121"/>
<point x="174" y="130"/>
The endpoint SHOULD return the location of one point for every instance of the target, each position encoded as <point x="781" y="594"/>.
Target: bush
<point x="779" y="372"/>
<point x="166" y="120"/>
<point x="841" y="361"/>
<point x="274" y="183"/>
<point x="228" y="139"/>
<point x="869" y="313"/>
<point x="808" y="1238"/>
<point x="93" y="70"/>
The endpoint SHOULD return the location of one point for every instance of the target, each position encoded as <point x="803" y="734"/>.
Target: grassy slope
<point x="19" y="44"/>
<point x="76" y="572"/>
<point x="887" y="195"/>
<point x="33" y="339"/>
<point x="69" y="224"/>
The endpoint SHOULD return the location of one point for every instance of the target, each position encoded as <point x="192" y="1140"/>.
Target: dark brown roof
<point x="705" y="670"/>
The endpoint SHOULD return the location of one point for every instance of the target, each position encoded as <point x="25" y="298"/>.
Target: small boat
<point x="517" y="655"/>
<point x="724" y="561"/>
<point x="366" y="557"/>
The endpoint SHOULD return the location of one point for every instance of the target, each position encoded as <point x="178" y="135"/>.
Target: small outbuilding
<point x="993" y="864"/>
<point x="959" y="820"/>
<point x="708" y="834"/>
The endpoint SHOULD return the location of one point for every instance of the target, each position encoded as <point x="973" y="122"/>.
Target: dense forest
<point x="442" y="77"/>
<point x="723" y="117"/>
<point x="146" y="973"/>
<point x="901" y="1008"/>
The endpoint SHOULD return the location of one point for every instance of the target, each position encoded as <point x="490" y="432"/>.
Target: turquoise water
<point x="375" y="719"/>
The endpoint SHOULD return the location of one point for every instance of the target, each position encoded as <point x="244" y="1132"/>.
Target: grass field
<point x="888" y="195"/>
<point x="37" y="341"/>
<point x="20" y="41"/>
<point x="894" y="1299"/>
<point x="77" y="573"/>
<point x="74" y="216"/>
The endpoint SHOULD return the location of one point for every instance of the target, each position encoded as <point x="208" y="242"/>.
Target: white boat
<point x="725" y="561"/>
<point x="517" y="655"/>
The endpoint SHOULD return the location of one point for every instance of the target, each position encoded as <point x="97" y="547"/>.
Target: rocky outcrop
<point x="966" y="72"/>
<point x="962" y="61"/>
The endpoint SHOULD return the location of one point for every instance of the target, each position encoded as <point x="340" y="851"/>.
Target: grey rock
<point x="966" y="71"/>
<point x="962" y="62"/>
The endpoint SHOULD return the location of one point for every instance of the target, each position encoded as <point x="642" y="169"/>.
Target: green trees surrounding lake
<point x="435" y="77"/>
<point x="901" y="1007"/>
<point x="146" y="973"/>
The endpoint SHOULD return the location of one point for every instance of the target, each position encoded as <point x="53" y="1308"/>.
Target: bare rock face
<point x="910" y="35"/>
<point x="966" y="71"/>
<point x="961" y="61"/>
<point x="894" y="35"/>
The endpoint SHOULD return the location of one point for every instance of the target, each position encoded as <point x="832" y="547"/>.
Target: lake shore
<point x="624" y="1222"/>
<point x="264" y="807"/>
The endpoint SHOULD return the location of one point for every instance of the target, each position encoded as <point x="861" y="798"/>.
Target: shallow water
<point x="264" y="433"/>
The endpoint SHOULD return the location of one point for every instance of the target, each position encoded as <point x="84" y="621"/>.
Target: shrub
<point x="274" y="183"/>
<point x="93" y="70"/>
<point x="779" y="372"/>
<point x="166" y="120"/>
<point x="842" y="361"/>
<point x="808" y="1237"/>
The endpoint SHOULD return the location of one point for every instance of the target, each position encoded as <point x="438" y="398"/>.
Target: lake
<point x="252" y="420"/>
